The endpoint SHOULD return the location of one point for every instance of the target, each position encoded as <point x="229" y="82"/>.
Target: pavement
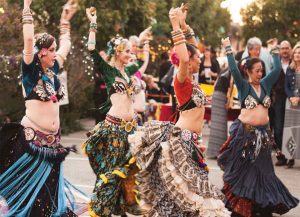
<point x="78" y="171"/>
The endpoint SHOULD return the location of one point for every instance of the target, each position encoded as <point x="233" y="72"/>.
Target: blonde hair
<point x="293" y="64"/>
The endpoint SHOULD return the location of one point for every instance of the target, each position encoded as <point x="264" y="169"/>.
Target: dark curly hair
<point x="43" y="40"/>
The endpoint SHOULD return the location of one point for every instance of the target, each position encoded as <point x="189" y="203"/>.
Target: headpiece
<point x="43" y="40"/>
<point x="116" y="44"/>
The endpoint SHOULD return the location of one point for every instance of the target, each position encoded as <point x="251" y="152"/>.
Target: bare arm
<point x="180" y="46"/>
<point x="93" y="28"/>
<point x="146" y="59"/>
<point x="28" y="32"/>
<point x="65" y="39"/>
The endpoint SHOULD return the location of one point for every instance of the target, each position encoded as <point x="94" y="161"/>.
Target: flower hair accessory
<point x="174" y="58"/>
<point x="44" y="51"/>
<point x="116" y="44"/>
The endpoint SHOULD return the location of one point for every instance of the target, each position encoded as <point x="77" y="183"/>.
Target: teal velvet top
<point x="244" y="87"/>
<point x="110" y="73"/>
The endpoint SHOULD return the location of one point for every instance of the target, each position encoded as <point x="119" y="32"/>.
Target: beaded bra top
<point x="198" y="99"/>
<point x="40" y="85"/>
<point x="250" y="102"/>
<point x="189" y="95"/>
<point x="122" y="86"/>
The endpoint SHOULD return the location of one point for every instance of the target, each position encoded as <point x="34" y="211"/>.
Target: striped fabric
<point x="291" y="132"/>
<point x="218" y="129"/>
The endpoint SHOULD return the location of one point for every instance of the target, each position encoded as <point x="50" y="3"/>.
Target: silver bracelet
<point x="27" y="54"/>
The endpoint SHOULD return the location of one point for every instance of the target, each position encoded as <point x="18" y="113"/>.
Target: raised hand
<point x="27" y="3"/>
<point x="174" y="18"/>
<point x="226" y="42"/>
<point x="273" y="44"/>
<point x="145" y="35"/>
<point x="69" y="10"/>
<point x="182" y="13"/>
<point x="91" y="14"/>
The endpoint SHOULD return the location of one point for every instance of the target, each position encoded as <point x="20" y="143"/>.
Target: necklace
<point x="49" y="73"/>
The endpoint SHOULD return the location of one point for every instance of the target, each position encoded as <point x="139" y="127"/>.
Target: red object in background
<point x="166" y="113"/>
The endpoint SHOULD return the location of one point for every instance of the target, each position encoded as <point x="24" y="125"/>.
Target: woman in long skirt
<point x="107" y="147"/>
<point x="31" y="154"/>
<point x="251" y="186"/>
<point x="291" y="132"/>
<point x="174" y="177"/>
<point x="219" y="106"/>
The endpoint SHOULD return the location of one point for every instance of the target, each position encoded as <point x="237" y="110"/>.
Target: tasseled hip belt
<point x="260" y="137"/>
<point x="46" y="145"/>
<point x="121" y="123"/>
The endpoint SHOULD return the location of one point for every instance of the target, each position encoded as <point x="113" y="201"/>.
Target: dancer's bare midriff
<point x="42" y="116"/>
<point x="192" y="119"/>
<point x="122" y="106"/>
<point x="257" y="116"/>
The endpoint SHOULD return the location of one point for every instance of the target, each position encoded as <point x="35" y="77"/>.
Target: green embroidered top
<point x="110" y="73"/>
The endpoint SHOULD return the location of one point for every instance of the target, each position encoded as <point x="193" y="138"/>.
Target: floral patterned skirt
<point x="108" y="151"/>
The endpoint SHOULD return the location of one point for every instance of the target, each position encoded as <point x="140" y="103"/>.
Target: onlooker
<point x="165" y="65"/>
<point x="152" y="89"/>
<point x="209" y="67"/>
<point x="254" y="49"/>
<point x="278" y="96"/>
<point x="291" y="132"/>
<point x="134" y="40"/>
<point x="164" y="68"/>
<point x="220" y="104"/>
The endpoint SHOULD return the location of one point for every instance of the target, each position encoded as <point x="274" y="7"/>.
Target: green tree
<point x="209" y="21"/>
<point x="114" y="16"/>
<point x="268" y="19"/>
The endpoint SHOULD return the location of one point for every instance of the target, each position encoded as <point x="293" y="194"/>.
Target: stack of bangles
<point x="93" y="27"/>
<point x="188" y="33"/>
<point x="228" y="50"/>
<point x="178" y="37"/>
<point x="27" y="16"/>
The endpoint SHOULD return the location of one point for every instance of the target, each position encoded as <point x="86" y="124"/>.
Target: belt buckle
<point x="249" y="128"/>
<point x="129" y="126"/>
<point x="186" y="135"/>
<point x="50" y="139"/>
<point x="29" y="133"/>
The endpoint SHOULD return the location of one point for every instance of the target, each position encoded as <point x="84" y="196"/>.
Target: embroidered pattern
<point x="250" y="102"/>
<point x="267" y="102"/>
<point x="198" y="96"/>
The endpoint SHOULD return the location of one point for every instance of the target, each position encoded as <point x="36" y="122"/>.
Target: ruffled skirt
<point x="108" y="151"/>
<point x="174" y="180"/>
<point x="250" y="182"/>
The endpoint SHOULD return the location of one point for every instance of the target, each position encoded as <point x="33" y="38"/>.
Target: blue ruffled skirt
<point x="31" y="174"/>
<point x="250" y="182"/>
